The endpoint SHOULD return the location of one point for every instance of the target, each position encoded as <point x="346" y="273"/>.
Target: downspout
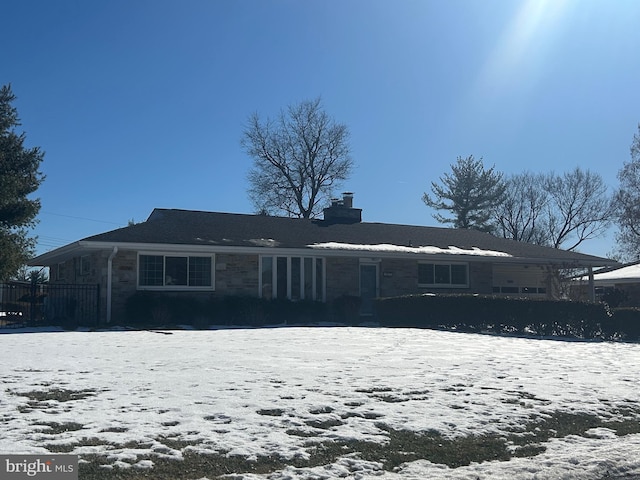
<point x="109" y="278"/>
<point x="592" y="287"/>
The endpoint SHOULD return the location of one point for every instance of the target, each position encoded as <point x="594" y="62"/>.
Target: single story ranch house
<point x="210" y="253"/>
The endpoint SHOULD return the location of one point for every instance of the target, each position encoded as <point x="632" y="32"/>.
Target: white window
<point x="295" y="278"/>
<point x="85" y="265"/>
<point x="173" y="271"/>
<point x="60" y="271"/>
<point x="443" y="274"/>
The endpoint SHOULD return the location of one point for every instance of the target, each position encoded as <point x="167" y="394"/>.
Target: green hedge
<point x="625" y="324"/>
<point x="470" y="313"/>
<point x="474" y="313"/>
<point x="155" y="309"/>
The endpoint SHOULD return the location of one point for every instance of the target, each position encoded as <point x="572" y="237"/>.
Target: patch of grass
<point x="223" y="419"/>
<point x="562" y="424"/>
<point x="391" y="398"/>
<point x="271" y="412"/>
<point x="57" y="394"/>
<point x="178" y="443"/>
<point x="54" y="428"/>
<point x="407" y="446"/>
<point x="401" y="446"/>
<point x="300" y="433"/>
<point x="115" y="430"/>
<point x="70" y="447"/>
<point x="374" y="390"/>
<point x="321" y="410"/>
<point x="41" y="399"/>
<point x="324" y="424"/>
<point x="521" y="397"/>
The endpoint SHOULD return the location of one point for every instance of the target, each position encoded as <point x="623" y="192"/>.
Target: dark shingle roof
<point x="169" y="226"/>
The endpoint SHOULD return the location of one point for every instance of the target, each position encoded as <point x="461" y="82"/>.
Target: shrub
<point x="615" y="297"/>
<point x="138" y="308"/>
<point x="149" y="308"/>
<point x="498" y="314"/>
<point x="346" y="309"/>
<point x="626" y="323"/>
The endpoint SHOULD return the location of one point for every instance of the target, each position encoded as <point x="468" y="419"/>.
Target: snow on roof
<point x="629" y="272"/>
<point x="385" y="247"/>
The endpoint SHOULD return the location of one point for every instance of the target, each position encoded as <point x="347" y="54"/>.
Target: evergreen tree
<point x="19" y="178"/>
<point x="469" y="192"/>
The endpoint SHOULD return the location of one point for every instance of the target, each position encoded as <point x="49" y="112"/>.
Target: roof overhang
<point x="84" y="247"/>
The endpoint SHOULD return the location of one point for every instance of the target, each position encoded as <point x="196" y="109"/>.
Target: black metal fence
<point x="28" y="304"/>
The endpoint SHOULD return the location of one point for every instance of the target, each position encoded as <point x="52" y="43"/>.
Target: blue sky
<point x="141" y="103"/>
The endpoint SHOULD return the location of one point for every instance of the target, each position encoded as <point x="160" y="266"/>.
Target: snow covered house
<point x="210" y="253"/>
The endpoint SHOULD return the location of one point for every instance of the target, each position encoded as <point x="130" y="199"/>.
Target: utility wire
<point x="81" y="218"/>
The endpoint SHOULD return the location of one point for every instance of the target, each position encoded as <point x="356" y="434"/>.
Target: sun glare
<point x="524" y="43"/>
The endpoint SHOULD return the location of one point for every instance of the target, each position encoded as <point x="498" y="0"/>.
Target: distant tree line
<point x="550" y="209"/>
<point x="301" y="156"/>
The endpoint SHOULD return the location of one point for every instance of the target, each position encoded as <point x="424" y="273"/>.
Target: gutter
<point x="109" y="281"/>
<point x="583" y="260"/>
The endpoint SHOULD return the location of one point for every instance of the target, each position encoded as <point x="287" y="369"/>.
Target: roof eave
<point x="85" y="246"/>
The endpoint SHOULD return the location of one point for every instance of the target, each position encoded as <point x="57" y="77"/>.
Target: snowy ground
<point x="140" y="397"/>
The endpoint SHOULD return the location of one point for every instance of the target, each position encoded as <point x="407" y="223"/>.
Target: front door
<point x="368" y="286"/>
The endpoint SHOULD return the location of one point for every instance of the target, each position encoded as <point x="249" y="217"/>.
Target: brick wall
<point x="342" y="277"/>
<point x="398" y="277"/>
<point x="237" y="274"/>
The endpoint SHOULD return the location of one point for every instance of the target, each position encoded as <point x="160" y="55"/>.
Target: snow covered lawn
<point x="312" y="403"/>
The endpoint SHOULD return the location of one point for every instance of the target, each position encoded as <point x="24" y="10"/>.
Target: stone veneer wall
<point x="342" y="277"/>
<point x="400" y="277"/>
<point x="124" y="272"/>
<point x="239" y="275"/>
<point x="397" y="277"/>
<point x="233" y="275"/>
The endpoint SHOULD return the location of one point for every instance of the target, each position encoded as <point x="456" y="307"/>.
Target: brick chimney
<point x="342" y="211"/>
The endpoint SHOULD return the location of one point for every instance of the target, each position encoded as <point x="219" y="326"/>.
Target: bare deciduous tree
<point x="627" y="202"/>
<point x="299" y="158"/>
<point x="521" y="215"/>
<point x="579" y="208"/>
<point x="559" y="211"/>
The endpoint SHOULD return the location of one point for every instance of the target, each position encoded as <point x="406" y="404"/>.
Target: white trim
<point x="181" y="288"/>
<point x="85" y="260"/>
<point x="110" y="282"/>
<point x="444" y="285"/>
<point x="324" y="278"/>
<point x="289" y="276"/>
